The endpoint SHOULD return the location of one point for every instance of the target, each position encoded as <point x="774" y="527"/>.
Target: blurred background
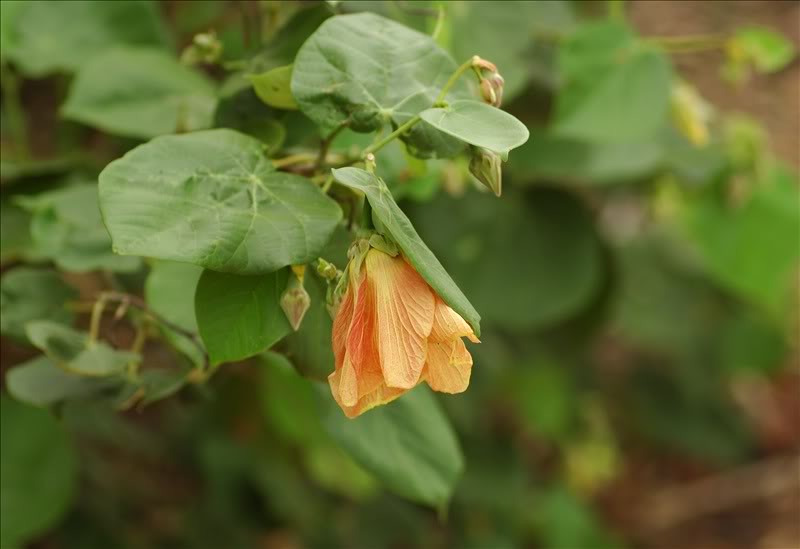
<point x="637" y="384"/>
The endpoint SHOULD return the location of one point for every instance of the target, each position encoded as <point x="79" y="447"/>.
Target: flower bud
<point x="487" y="92"/>
<point x="485" y="165"/>
<point x="491" y="83"/>
<point x="295" y="300"/>
<point x="327" y="270"/>
<point x="483" y="64"/>
<point x="205" y="48"/>
<point x="497" y="83"/>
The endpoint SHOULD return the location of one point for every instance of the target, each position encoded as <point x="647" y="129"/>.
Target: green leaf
<point x="766" y="225"/>
<point x="15" y="235"/>
<point x="41" y="383"/>
<point x="616" y="88"/>
<point x="72" y="350"/>
<point x="240" y="316"/>
<point x="239" y="108"/>
<point x="38" y="467"/>
<point x="357" y="68"/>
<point x="170" y="290"/>
<point x="48" y="36"/>
<point x="213" y="199"/>
<point x="402" y="232"/>
<point x="768" y="50"/>
<point x="140" y="93"/>
<point x="67" y="228"/>
<point x="408" y="445"/>
<point x="529" y="261"/>
<point x="289" y="401"/>
<point x="274" y="87"/>
<point x="33" y="294"/>
<point x="478" y="124"/>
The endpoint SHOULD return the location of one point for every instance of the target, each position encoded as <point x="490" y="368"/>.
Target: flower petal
<point x="448" y="367"/>
<point x="448" y="324"/>
<point x="379" y="396"/>
<point x="405" y="305"/>
<point x="341" y="327"/>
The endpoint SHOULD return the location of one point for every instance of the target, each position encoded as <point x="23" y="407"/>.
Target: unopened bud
<point x="487" y="92"/>
<point x="491" y="82"/>
<point x="483" y="64"/>
<point x="295" y="301"/>
<point x="327" y="270"/>
<point x="205" y="48"/>
<point x="497" y="83"/>
<point x="485" y="165"/>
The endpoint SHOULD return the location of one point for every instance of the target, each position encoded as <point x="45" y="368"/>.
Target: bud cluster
<point x="491" y="83"/>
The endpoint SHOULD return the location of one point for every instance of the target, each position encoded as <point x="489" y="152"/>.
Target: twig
<point x="326" y="144"/>
<point x="138" y="303"/>
<point x="674" y="506"/>
<point x="398" y="132"/>
<point x="293" y="159"/>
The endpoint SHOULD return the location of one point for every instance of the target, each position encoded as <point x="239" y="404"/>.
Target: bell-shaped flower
<point x="391" y="332"/>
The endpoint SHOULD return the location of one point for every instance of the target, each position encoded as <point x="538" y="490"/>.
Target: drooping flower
<point x="392" y="331"/>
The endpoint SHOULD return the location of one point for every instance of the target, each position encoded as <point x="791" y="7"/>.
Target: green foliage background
<point x="636" y="283"/>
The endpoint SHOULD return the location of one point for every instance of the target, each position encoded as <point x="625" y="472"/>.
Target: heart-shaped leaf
<point x="213" y="199"/>
<point x="33" y="294"/>
<point x="49" y="36"/>
<point x="478" y="124"/>
<point x="409" y="445"/>
<point x="39" y="468"/>
<point x="616" y="87"/>
<point x="140" y="93"/>
<point x="71" y="350"/>
<point x="402" y="232"/>
<point x="67" y="228"/>
<point x="41" y="383"/>
<point x="240" y="316"/>
<point x="368" y="71"/>
<point x="274" y="87"/>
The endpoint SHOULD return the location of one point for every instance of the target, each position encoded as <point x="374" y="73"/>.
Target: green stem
<point x="326" y="143"/>
<point x="690" y="43"/>
<point x="94" y="322"/>
<point x="465" y="66"/>
<point x="294" y="159"/>
<point x="378" y="145"/>
<point x="437" y="30"/>
<point x="13" y="108"/>
<point x="327" y="185"/>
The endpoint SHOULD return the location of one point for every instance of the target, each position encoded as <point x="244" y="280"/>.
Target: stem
<point x="136" y="347"/>
<point x="140" y="304"/>
<point x="437" y="30"/>
<point x="378" y="145"/>
<point x="690" y="43"/>
<point x="16" y="115"/>
<point x="327" y="185"/>
<point x="326" y="143"/>
<point x="293" y="159"/>
<point x="94" y="323"/>
<point x="466" y="65"/>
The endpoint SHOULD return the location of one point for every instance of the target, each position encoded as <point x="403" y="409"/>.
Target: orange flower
<point x="390" y="333"/>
